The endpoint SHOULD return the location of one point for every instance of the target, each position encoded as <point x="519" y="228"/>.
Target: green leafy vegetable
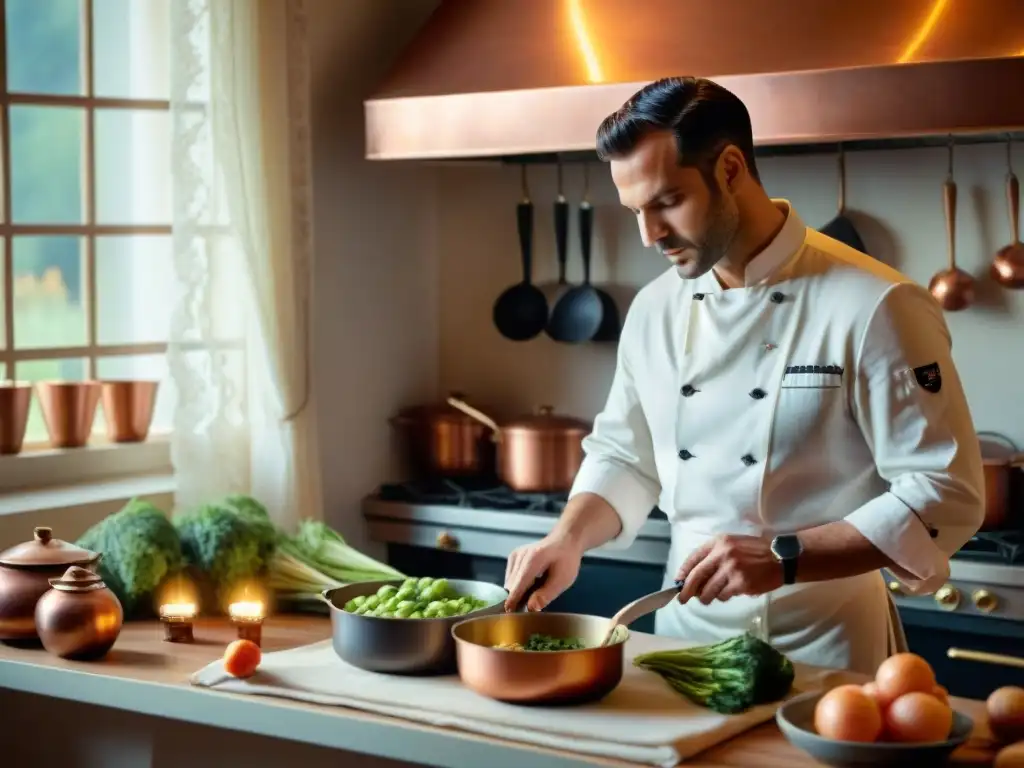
<point x="229" y="543"/>
<point x="423" y="598"/>
<point x="318" y="558"/>
<point x="727" y="677"/>
<point x="140" y="550"/>
<point x="549" y="643"/>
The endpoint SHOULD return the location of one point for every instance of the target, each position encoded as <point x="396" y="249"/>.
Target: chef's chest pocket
<point x="808" y="403"/>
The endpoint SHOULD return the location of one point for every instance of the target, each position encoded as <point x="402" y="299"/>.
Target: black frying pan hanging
<point x="841" y="228"/>
<point x="561" y="217"/>
<point x="578" y="314"/>
<point x="521" y="312"/>
<point x="610" y="327"/>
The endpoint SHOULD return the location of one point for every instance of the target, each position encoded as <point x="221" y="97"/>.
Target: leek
<point x="325" y="550"/>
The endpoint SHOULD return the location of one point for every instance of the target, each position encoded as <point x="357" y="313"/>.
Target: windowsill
<point x="49" y="480"/>
<point x="34" y="470"/>
<point x="117" y="490"/>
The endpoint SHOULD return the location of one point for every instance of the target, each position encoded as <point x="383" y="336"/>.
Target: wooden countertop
<point x="141" y="660"/>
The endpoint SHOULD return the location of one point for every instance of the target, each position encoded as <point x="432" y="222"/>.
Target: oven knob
<point x="984" y="600"/>
<point x="447" y="542"/>
<point x="895" y="588"/>
<point x="948" y="598"/>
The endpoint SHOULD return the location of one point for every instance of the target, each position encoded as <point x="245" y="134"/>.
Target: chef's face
<point x="693" y="221"/>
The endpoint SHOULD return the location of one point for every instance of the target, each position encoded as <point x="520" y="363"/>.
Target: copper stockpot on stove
<point x="25" y="573"/>
<point x="537" y="453"/>
<point x="442" y="441"/>
<point x="1004" y="482"/>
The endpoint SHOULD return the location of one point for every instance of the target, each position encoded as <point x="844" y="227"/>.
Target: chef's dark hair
<point x="703" y="116"/>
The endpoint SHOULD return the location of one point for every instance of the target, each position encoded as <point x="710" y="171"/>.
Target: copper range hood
<point x="493" y="78"/>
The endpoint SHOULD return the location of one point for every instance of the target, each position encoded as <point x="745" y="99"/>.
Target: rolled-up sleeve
<point x="619" y="455"/>
<point x="911" y="408"/>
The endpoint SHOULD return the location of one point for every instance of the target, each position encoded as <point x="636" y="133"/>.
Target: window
<point x="85" y="220"/>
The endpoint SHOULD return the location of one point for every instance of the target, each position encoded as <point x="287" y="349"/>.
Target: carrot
<point x="241" y="658"/>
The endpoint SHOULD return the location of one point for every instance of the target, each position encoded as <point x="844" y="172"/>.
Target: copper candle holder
<point x="177" y="619"/>
<point x="248" y="620"/>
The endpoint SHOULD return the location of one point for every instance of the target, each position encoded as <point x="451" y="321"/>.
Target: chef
<point x="789" y="402"/>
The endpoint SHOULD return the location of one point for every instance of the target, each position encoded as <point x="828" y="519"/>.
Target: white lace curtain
<point x="239" y="357"/>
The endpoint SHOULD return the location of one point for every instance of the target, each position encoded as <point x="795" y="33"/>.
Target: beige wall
<point x="375" y="336"/>
<point x="896" y="199"/>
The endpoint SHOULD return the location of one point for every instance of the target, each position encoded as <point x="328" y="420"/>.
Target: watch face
<point x="786" y="547"/>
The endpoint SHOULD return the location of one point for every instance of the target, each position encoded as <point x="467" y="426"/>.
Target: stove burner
<point x="472" y="494"/>
<point x="1006" y="548"/>
<point x="476" y="494"/>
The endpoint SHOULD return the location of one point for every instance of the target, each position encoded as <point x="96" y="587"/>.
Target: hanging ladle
<point x="952" y="287"/>
<point x="1008" y="265"/>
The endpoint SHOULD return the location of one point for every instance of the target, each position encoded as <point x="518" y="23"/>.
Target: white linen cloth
<point x="642" y="721"/>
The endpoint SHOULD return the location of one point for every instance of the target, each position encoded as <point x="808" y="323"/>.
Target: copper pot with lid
<point x="1003" y="465"/>
<point x="441" y="441"/>
<point x="79" y="618"/>
<point x="25" y="573"/>
<point x="536" y="453"/>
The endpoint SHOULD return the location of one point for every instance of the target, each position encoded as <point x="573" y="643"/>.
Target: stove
<point x="476" y="494"/>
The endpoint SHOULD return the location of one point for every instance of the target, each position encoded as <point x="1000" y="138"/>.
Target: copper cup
<point x="69" y="409"/>
<point x="15" y="399"/>
<point x="128" y="409"/>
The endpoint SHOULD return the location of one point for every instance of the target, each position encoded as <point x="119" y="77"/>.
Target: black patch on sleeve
<point x="929" y="377"/>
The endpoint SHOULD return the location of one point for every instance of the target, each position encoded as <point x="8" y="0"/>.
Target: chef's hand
<point x="555" y="557"/>
<point x="728" y="566"/>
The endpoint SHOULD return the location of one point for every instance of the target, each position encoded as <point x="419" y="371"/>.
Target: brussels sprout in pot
<point x="25" y="573"/>
<point x="415" y="639"/>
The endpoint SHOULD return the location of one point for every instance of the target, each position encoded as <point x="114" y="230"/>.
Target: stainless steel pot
<point x="402" y="646"/>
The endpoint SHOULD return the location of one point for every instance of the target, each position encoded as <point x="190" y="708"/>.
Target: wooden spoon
<point x="638" y="608"/>
<point x="1008" y="265"/>
<point x="952" y="287"/>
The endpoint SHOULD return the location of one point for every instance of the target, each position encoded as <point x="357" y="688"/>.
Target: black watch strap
<point x="789" y="570"/>
<point x="787" y="549"/>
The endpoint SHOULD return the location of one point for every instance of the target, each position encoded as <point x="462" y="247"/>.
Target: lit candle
<point x="247" y="616"/>
<point x="177" y="620"/>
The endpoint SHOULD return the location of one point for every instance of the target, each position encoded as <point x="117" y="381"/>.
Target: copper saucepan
<point x="538" y="453"/>
<point x="526" y="677"/>
<point x="439" y="441"/>
<point x="1004" y="481"/>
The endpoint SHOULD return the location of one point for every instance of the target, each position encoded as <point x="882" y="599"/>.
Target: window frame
<point x="39" y="465"/>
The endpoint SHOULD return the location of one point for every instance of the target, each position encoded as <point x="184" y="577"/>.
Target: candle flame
<point x="246" y="609"/>
<point x="178" y="610"/>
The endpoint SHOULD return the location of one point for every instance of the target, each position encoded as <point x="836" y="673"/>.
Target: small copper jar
<point x="79" y="618"/>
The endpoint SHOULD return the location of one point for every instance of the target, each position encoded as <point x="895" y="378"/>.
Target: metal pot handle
<point x="480" y="416"/>
<point x="1002" y="438"/>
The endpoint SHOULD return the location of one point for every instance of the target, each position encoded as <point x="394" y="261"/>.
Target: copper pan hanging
<point x="1008" y="265"/>
<point x="952" y="287"/>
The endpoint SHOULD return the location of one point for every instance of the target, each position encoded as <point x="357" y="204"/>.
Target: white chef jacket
<point x="821" y="390"/>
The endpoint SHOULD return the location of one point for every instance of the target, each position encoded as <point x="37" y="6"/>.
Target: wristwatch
<point x="786" y="550"/>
